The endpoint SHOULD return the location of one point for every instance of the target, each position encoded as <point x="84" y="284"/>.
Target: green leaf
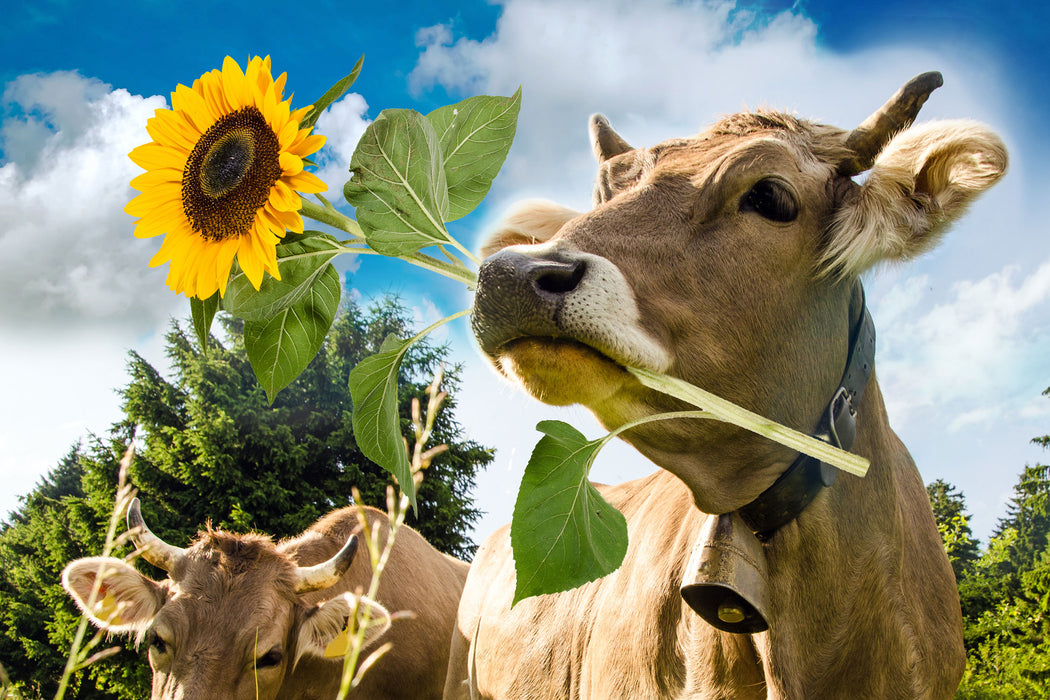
<point x="302" y="262"/>
<point x="398" y="184"/>
<point x="203" y="312"/>
<point x="377" y="428"/>
<point x="563" y="533"/>
<point x="475" y="135"/>
<point x="281" y="346"/>
<point x="333" y="94"/>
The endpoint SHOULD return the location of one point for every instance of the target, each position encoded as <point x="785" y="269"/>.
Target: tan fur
<point x="232" y="600"/>
<point x="863" y="601"/>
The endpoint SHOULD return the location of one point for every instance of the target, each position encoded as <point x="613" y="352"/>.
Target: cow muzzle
<point x="521" y="295"/>
<point x="553" y="292"/>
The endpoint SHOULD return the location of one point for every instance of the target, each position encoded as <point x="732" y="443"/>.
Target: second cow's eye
<point x="270" y="658"/>
<point x="772" y="200"/>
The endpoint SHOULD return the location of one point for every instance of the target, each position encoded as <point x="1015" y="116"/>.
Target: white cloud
<point x="342" y="124"/>
<point x="69" y="253"/>
<point x="981" y="353"/>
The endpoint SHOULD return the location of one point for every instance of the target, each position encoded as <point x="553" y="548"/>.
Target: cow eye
<point x="156" y="643"/>
<point x="772" y="200"/>
<point x="270" y="658"/>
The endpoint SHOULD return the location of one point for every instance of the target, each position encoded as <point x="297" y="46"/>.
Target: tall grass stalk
<point x="79" y="652"/>
<point x="354" y="668"/>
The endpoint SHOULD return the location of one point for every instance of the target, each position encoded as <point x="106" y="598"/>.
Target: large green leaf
<point x="281" y="346"/>
<point x="398" y="184"/>
<point x="475" y="135"/>
<point x="333" y="94"/>
<point x="203" y="312"/>
<point x="377" y="428"/>
<point x="301" y="262"/>
<point x="563" y="533"/>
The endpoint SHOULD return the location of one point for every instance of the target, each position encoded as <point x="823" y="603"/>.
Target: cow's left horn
<point x="154" y="550"/>
<point x="867" y="140"/>
<point x="606" y="142"/>
<point x="326" y="574"/>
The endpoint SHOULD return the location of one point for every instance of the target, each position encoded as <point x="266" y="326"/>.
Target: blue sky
<point x="962" y="331"/>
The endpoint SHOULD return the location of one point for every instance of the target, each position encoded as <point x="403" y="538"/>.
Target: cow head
<point x="728" y="259"/>
<point x="230" y="621"/>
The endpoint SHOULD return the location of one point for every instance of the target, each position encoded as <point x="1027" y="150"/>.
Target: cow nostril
<point x="559" y="278"/>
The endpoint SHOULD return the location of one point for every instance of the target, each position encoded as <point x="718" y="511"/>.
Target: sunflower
<point x="222" y="176"/>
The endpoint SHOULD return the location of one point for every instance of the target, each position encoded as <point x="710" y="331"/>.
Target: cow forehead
<point x="754" y="144"/>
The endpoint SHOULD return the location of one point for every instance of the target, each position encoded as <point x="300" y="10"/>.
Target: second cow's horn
<point x="154" y="550"/>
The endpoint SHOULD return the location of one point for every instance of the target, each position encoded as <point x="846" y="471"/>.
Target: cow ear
<point x="529" y="222"/>
<point x="126" y="601"/>
<point x="324" y="630"/>
<point x="920" y="183"/>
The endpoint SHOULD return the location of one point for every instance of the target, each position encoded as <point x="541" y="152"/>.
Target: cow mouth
<point x="560" y="370"/>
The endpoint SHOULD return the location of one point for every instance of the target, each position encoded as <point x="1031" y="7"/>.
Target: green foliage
<point x="564" y="534"/>
<point x="1005" y="591"/>
<point x="211" y="447"/>
<point x="953" y="523"/>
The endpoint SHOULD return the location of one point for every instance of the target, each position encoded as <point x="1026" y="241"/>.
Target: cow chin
<point x="562" y="372"/>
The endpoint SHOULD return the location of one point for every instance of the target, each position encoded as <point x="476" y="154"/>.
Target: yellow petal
<point x="233" y="84"/>
<point x="151" y="156"/>
<point x="306" y="143"/>
<point x="153" y="198"/>
<point x="291" y="164"/>
<point x="287" y="134"/>
<point x="307" y="183"/>
<point x="190" y="103"/>
<point x="283" y="198"/>
<point x="224" y="261"/>
<point x="156" y="177"/>
<point x="164" y="129"/>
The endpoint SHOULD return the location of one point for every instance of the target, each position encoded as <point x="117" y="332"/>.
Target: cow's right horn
<point x="154" y="550"/>
<point x="606" y="142"/>
<point x="326" y="574"/>
<point x="867" y="140"/>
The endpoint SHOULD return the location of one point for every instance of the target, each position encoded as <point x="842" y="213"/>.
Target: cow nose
<point x="554" y="277"/>
<point x="520" y="295"/>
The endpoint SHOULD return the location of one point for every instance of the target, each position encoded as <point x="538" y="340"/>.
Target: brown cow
<point x="241" y="617"/>
<point x="730" y="260"/>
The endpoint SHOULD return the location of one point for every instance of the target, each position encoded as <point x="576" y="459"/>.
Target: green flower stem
<point x="457" y="272"/>
<point x="731" y="413"/>
<point x="470" y="256"/>
<point x="418" y="336"/>
<point x="329" y="215"/>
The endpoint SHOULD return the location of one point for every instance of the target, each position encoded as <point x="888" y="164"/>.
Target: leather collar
<point x="806" y="477"/>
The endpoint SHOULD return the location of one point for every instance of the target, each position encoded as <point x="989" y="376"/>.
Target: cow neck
<point x="807" y="476"/>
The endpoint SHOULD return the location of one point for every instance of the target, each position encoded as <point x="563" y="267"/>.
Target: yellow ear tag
<point x="338" y="646"/>
<point x="107" y="610"/>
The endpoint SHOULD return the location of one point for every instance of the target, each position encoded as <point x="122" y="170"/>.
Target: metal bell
<point x="726" y="577"/>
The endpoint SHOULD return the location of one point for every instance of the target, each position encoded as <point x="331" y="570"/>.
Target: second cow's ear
<point x="921" y="181"/>
<point x="126" y="601"/>
<point x="533" y="221"/>
<point x="323" y="631"/>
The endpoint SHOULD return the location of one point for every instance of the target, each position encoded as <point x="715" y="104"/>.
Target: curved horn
<point x="868" y="139"/>
<point x="326" y="574"/>
<point x="606" y="142"/>
<point x="154" y="550"/>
